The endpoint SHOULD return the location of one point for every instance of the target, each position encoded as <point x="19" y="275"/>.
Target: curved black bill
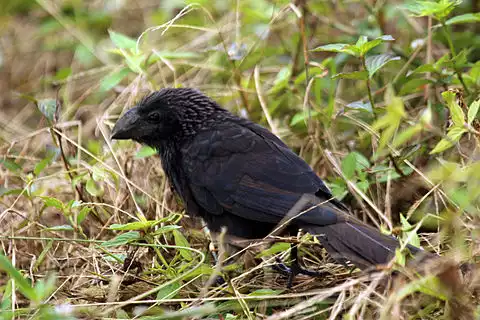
<point x="126" y="126"/>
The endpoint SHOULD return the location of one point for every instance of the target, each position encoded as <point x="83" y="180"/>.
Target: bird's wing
<point x="247" y="171"/>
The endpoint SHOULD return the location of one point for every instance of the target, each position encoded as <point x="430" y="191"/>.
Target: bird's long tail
<point x="360" y="244"/>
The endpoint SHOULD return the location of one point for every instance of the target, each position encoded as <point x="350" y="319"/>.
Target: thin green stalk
<point x="369" y="87"/>
<point x="453" y="54"/>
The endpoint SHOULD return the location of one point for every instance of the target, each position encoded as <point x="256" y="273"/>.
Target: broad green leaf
<point x="413" y="85"/>
<point x="53" y="202"/>
<point x="64" y="227"/>
<point x="428" y="284"/>
<point x="169" y="292"/>
<point x="98" y="173"/>
<point x="122" y="41"/>
<point x="41" y="165"/>
<point x="409" y="233"/>
<point x="340" y="47"/>
<point x="312" y="72"/>
<point x="302" y="117"/>
<point x="134" y="62"/>
<point x="122" y="239"/>
<point x="281" y="80"/>
<point x="453" y="136"/>
<point x="166" y="229"/>
<point x="425" y="68"/>
<point x="62" y="74"/>
<point x="348" y="165"/>
<point x="400" y="257"/>
<point x="265" y="292"/>
<point x="438" y="9"/>
<point x="158" y="55"/>
<point x="181" y="241"/>
<point x="83" y="214"/>
<point x="20" y="281"/>
<point x="10" y="165"/>
<point x="145" y="151"/>
<point x="374" y="63"/>
<point x="406" y="135"/>
<point x="47" y="107"/>
<point x="365" y="106"/>
<point x="464" y="18"/>
<point x="358" y="75"/>
<point x="362" y="40"/>
<point x="456" y="112"/>
<point x="112" y="79"/>
<point x="93" y="189"/>
<point x="137" y="225"/>
<point x="10" y="191"/>
<point x="367" y="46"/>
<point x="274" y="249"/>
<point x="472" y="111"/>
<point x="390" y="121"/>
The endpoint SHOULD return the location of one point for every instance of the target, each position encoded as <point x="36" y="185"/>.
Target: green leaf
<point x="169" y="291"/>
<point x="122" y="239"/>
<point x="20" y="281"/>
<point x="10" y="165"/>
<point x="409" y="233"/>
<point x="339" y="47"/>
<point x="64" y="227"/>
<point x="425" y="68"/>
<point x="413" y="85"/>
<point x="93" y="189"/>
<point x="472" y="111"/>
<point x="365" y="106"/>
<point x="367" y="46"/>
<point x="362" y="40"/>
<point x="83" y="214"/>
<point x="166" y="229"/>
<point x="406" y="135"/>
<point x="53" y="202"/>
<point x="439" y="9"/>
<point x="134" y="62"/>
<point x="122" y="41"/>
<point x="181" y="241"/>
<point x="112" y="79"/>
<point x="48" y="107"/>
<point x="62" y="74"/>
<point x="145" y="151"/>
<point x="349" y="164"/>
<point x="374" y="63"/>
<point x="175" y="55"/>
<point x="265" y="292"/>
<point x="137" y="225"/>
<point x="429" y="285"/>
<point x="302" y="117"/>
<point x="464" y="18"/>
<point x="98" y="173"/>
<point x="274" y="249"/>
<point x="358" y="75"/>
<point x="41" y="165"/>
<point x="452" y="137"/>
<point x="456" y="112"/>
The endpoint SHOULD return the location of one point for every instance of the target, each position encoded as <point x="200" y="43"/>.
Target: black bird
<point x="235" y="173"/>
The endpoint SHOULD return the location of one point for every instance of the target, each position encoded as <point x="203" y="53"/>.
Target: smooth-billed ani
<point x="235" y="173"/>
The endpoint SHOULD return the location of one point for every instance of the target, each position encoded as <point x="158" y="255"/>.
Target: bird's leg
<point x="295" y="268"/>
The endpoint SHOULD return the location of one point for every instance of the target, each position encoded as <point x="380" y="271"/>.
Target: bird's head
<point x="167" y="114"/>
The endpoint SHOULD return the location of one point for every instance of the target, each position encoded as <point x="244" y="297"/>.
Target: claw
<point x="295" y="268"/>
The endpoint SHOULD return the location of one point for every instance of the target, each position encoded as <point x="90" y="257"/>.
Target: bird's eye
<point x="155" y="116"/>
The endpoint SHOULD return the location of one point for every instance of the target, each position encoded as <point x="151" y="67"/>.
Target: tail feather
<point x="360" y="244"/>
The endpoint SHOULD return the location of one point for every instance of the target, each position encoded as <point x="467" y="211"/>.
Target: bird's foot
<point x="294" y="270"/>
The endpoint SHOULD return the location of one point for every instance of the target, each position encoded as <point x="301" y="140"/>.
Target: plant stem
<point x="453" y="54"/>
<point x="369" y="87"/>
